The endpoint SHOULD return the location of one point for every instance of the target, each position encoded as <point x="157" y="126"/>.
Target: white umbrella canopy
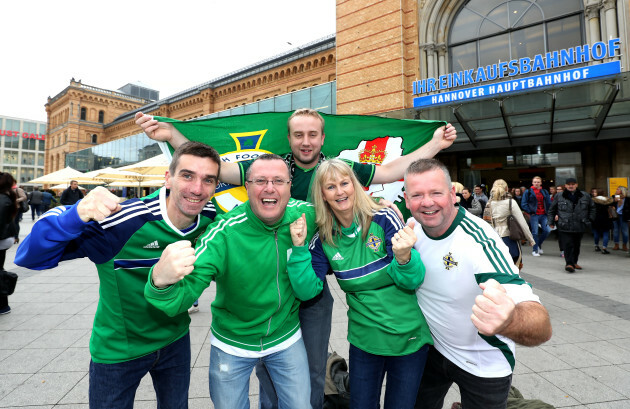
<point x="64" y="175"/>
<point x="111" y="175"/>
<point x="156" y="165"/>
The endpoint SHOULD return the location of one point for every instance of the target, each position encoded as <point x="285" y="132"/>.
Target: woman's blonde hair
<point x="499" y="190"/>
<point x="363" y="207"/>
<point x="458" y="187"/>
<point x="624" y="191"/>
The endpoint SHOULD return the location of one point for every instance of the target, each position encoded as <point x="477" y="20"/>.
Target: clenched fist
<point x="402" y="243"/>
<point x="176" y="262"/>
<point x="98" y="204"/>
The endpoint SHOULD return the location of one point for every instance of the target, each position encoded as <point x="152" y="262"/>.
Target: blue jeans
<point x="476" y="392"/>
<point x="534" y="221"/>
<point x="315" y="322"/>
<point x="603" y="234"/>
<point x="620" y="225"/>
<point x="114" y="385"/>
<point x="229" y="378"/>
<point x="403" y="378"/>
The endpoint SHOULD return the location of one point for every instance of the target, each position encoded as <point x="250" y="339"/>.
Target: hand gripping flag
<point x="366" y="139"/>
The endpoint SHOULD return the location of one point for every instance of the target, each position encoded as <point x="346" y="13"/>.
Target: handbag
<point x="612" y="212"/>
<point x="516" y="232"/>
<point x="24" y="207"/>
<point x="8" y="280"/>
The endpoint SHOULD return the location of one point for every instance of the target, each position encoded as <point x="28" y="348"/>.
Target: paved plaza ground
<point x="44" y="353"/>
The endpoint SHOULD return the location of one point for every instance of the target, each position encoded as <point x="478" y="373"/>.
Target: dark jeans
<point x="403" y="378"/>
<point x="315" y="322"/>
<point x="571" y="245"/>
<point x="476" y="392"/>
<point x="114" y="385"/>
<point x="36" y="208"/>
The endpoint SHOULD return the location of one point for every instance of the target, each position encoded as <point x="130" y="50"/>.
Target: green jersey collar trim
<point x="461" y="213"/>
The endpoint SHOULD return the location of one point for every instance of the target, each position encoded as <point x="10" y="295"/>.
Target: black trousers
<point x="570" y="242"/>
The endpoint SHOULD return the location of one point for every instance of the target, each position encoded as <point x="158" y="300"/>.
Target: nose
<point x="196" y="187"/>
<point x="269" y="186"/>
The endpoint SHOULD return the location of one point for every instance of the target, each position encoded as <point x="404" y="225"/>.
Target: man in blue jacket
<point x="536" y="203"/>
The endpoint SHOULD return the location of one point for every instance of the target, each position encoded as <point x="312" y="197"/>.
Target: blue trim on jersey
<point x="137" y="263"/>
<point x="364" y="270"/>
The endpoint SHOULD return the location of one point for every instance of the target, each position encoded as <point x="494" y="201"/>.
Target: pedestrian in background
<point x="620" y="226"/>
<point x="575" y="211"/>
<point x="602" y="223"/>
<point x="499" y="207"/>
<point x="8" y="213"/>
<point x="35" y="200"/>
<point x="536" y="202"/>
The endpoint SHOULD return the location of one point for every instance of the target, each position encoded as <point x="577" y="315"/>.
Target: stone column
<point x="430" y="50"/>
<point x="441" y="49"/>
<point x="610" y="11"/>
<point x="592" y="19"/>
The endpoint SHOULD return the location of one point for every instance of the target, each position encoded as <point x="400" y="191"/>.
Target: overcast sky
<point x="166" y="45"/>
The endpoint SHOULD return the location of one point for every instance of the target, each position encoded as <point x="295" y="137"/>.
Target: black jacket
<point x="572" y="218"/>
<point x="70" y="197"/>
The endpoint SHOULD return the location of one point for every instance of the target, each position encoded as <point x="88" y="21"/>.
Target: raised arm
<point x="443" y="137"/>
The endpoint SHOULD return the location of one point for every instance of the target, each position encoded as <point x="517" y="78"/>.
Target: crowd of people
<point x="563" y="208"/>
<point x="432" y="301"/>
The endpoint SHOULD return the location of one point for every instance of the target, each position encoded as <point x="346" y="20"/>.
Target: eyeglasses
<point x="264" y="182"/>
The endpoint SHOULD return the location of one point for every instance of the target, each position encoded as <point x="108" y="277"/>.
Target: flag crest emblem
<point x="449" y="261"/>
<point x="373" y="242"/>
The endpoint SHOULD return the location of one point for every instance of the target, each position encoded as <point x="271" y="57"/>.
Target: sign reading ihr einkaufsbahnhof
<point x="513" y="68"/>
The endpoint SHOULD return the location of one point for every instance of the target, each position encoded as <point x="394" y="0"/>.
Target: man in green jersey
<point x="255" y="312"/>
<point x="129" y="336"/>
<point x="306" y="138"/>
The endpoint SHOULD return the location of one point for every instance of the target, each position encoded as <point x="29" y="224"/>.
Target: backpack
<point x="337" y="387"/>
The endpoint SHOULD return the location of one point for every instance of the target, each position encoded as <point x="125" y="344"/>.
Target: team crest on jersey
<point x="449" y="261"/>
<point x="373" y="242"/>
<point x="227" y="196"/>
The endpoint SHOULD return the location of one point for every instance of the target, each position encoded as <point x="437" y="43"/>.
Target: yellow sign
<point x="614" y="183"/>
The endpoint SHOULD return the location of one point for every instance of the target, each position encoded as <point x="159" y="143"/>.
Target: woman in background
<point x="603" y="223"/>
<point x="8" y="212"/>
<point x="620" y="226"/>
<point x="498" y="210"/>
<point x="469" y="202"/>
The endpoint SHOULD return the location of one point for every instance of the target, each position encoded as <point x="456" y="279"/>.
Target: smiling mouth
<point x="343" y="199"/>
<point x="432" y="212"/>
<point x="269" y="202"/>
<point x="193" y="200"/>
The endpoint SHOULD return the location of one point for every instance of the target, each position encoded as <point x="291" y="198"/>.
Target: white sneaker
<point x="535" y="254"/>
<point x="540" y="251"/>
<point x="193" y="309"/>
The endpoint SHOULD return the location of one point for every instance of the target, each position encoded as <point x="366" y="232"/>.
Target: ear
<point x="167" y="179"/>
<point x="323" y="137"/>
<point x="406" y="200"/>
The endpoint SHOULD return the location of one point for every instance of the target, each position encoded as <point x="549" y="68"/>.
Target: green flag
<point x="366" y="139"/>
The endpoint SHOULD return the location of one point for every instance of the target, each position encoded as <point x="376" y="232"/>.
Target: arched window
<point x="101" y="116"/>
<point x="94" y="138"/>
<point x="83" y="113"/>
<point x="488" y="31"/>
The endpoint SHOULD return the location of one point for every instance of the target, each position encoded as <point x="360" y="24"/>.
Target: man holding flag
<point x="306" y="139"/>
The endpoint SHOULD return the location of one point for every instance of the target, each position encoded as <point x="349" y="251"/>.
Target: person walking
<point x="575" y="210"/>
<point x="602" y="223"/>
<point x="500" y="206"/>
<point x="620" y="226"/>
<point x="35" y="200"/>
<point x="536" y="202"/>
<point x="72" y="194"/>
